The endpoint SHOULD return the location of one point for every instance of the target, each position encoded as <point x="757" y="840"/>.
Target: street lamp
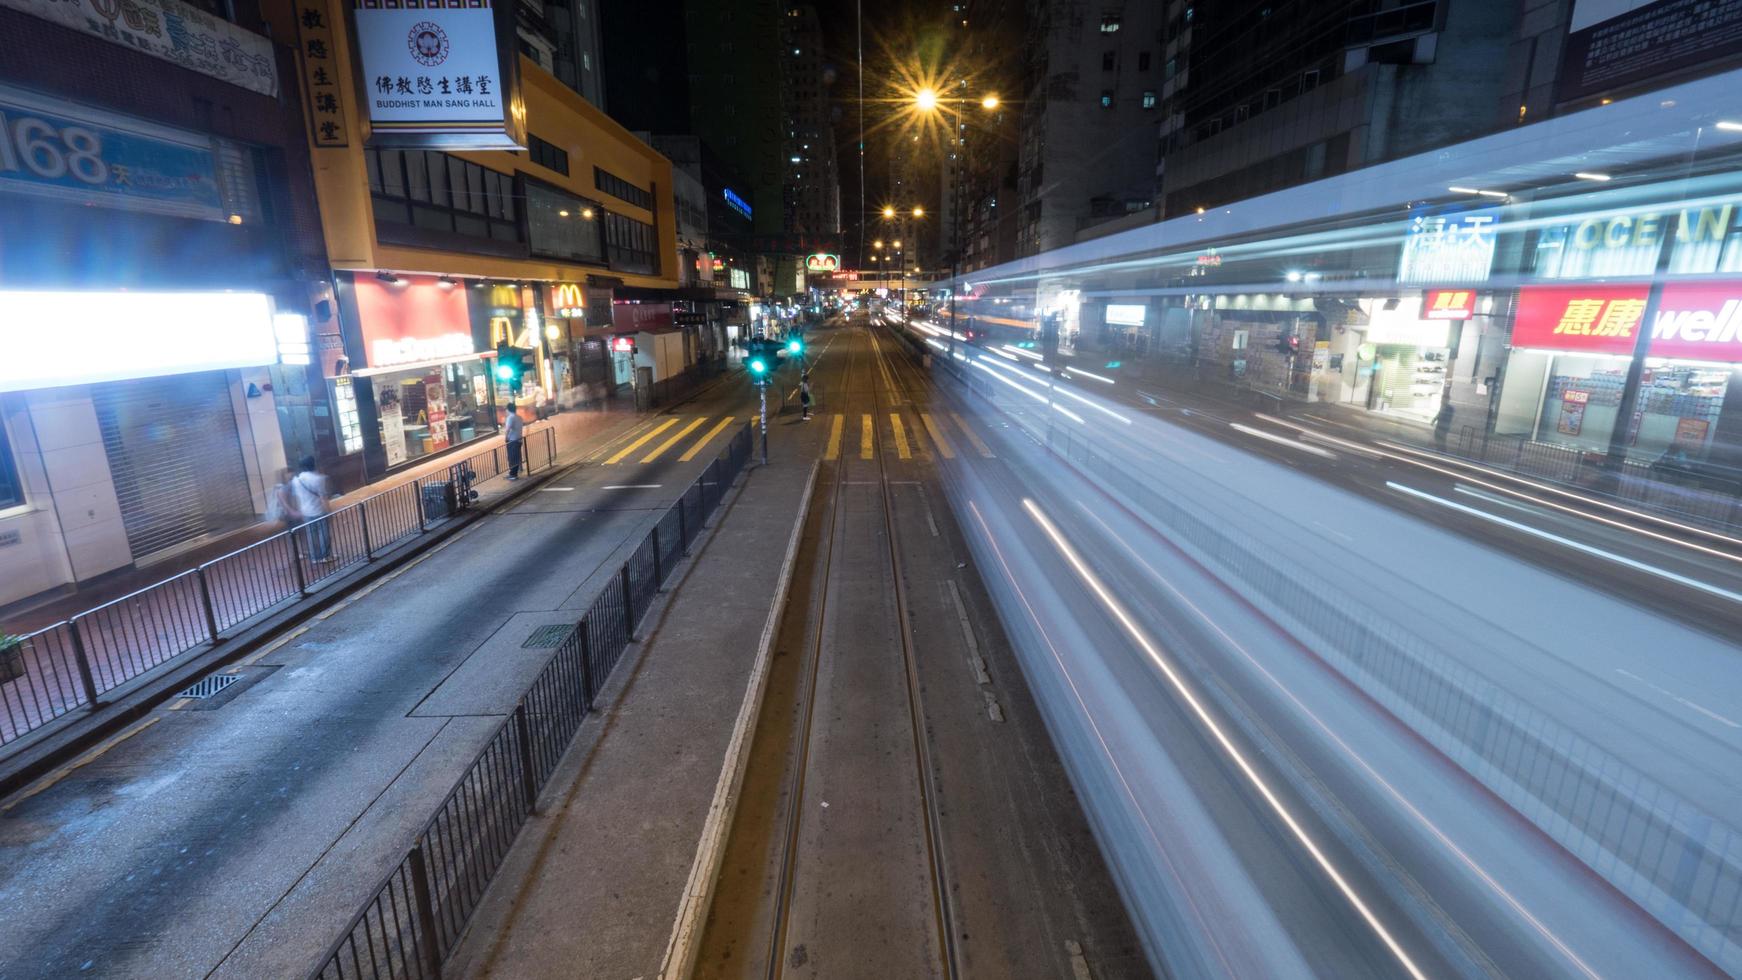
<point x="927" y="100"/>
<point x="888" y="211"/>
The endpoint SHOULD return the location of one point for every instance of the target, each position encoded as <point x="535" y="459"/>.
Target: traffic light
<point x="763" y="358"/>
<point x="1288" y="343"/>
<point x="795" y="345"/>
<point x="509" y="367"/>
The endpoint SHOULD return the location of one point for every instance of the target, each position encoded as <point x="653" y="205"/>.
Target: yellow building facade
<point x="462" y="281"/>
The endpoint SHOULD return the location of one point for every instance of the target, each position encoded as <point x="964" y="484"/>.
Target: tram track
<point x="869" y="366"/>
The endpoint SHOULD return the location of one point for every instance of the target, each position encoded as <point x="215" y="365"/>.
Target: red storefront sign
<point x="1448" y="304"/>
<point x="1695" y="321"/>
<point x="412" y="320"/>
<point x="651" y="317"/>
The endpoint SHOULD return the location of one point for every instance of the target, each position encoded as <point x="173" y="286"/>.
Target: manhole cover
<point x="209" y="685"/>
<point x="548" y="636"/>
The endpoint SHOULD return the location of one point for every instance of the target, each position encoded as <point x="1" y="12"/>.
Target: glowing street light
<point x="877" y="244"/>
<point x="990" y="102"/>
<point x="919" y="212"/>
<point x="888" y="212"/>
<point x="926" y="99"/>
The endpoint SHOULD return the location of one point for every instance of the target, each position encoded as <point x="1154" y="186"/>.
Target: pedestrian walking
<point x="281" y="500"/>
<point x="514" y="432"/>
<point x="1443" y="424"/>
<point x="309" y="492"/>
<point x="804" y="396"/>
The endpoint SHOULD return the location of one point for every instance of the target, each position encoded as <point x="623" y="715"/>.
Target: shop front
<point x="1567" y="372"/>
<point x="424" y="384"/>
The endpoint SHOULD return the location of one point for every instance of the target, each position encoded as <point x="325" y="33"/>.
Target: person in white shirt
<point x="309" y="489"/>
<point x="514" y="432"/>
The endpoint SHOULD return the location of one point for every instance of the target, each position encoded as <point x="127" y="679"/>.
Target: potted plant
<point x="11" y="657"/>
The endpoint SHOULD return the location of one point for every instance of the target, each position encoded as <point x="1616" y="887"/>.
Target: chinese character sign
<point x="1696" y="320"/>
<point x="170" y="30"/>
<point x="1449" y="304"/>
<point x="1442" y="246"/>
<point x="435" y="74"/>
<point x="320" y="73"/>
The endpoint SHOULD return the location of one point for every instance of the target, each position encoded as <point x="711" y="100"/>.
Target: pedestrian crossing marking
<point x="706" y="438"/>
<point x="900" y="436"/>
<point x="835" y="427"/>
<point x="667" y="444"/>
<point x="979" y="444"/>
<point x="644" y="440"/>
<point x="937" y="436"/>
<point x="865" y="437"/>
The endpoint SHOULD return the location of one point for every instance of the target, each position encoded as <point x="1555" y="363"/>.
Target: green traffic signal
<point x="795" y="346"/>
<point x="758" y="366"/>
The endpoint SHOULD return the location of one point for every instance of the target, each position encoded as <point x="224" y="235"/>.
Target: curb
<point x="56" y="747"/>
<point x="698" y="893"/>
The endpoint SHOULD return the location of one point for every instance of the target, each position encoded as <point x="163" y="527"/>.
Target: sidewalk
<point x="572" y="428"/>
<point x="596" y="880"/>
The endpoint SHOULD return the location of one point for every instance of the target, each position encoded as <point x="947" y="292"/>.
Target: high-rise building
<point x="813" y="182"/>
<point x="1088" y="122"/>
<point x="991" y="46"/>
<point x="1288" y="91"/>
<point x="563" y="37"/>
<point x="735" y="66"/>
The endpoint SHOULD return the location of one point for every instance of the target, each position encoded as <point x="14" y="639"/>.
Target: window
<point x="1108" y="59"/>
<point x="547" y="156"/>
<point x="617" y="187"/>
<point x="560" y="225"/>
<point x="437" y="192"/>
<point x="1106" y="98"/>
<point x="1142" y="61"/>
<point x="1148" y="100"/>
<point x="11" y="492"/>
<point x="1109" y="23"/>
<point x="630" y="243"/>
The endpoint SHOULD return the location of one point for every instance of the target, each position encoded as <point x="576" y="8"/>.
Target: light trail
<point x="1177" y="680"/>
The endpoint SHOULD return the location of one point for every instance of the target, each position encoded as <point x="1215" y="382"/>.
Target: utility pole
<point x="762" y="389"/>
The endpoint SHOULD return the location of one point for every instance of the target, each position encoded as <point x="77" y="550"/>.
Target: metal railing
<point x="70" y="665"/>
<point x="416" y="914"/>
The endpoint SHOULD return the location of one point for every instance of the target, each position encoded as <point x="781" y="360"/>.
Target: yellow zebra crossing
<point x="673" y="437"/>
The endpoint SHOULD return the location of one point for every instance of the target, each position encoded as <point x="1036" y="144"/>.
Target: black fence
<point x="69" y="666"/>
<point x="416" y="915"/>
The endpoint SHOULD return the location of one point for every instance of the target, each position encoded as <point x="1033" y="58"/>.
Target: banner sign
<point x="170" y="30"/>
<point x="320" y="74"/>
<point x="437" y="73"/>
<point x="1695" y="321"/>
<point x="73" y="153"/>
<point x="1611" y="43"/>
<point x="1449" y="304"/>
<point x="821" y="262"/>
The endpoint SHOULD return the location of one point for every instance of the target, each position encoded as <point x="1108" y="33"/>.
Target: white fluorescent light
<point x="126" y="335"/>
<point x="1500" y="194"/>
<point x="1583" y="175"/>
<point x="1733" y="127"/>
<point x="1293" y="276"/>
<point x="1463" y="190"/>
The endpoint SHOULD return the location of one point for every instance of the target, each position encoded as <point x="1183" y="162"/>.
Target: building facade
<point x="159" y="198"/>
<point x="448" y="263"/>
<point x="1088" y="119"/>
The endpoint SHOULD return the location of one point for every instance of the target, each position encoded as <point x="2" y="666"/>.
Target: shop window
<point x="11" y="491"/>
<point x="629" y="244"/>
<point x="562" y="226"/>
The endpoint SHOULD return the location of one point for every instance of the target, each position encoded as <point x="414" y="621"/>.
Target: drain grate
<point x="209" y="685"/>
<point x="548" y="636"/>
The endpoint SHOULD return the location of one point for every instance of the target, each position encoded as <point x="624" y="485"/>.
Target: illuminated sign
<point x="1695" y="321"/>
<point x="1211" y="259"/>
<point x="415" y="319"/>
<point x="622" y="345"/>
<point x="1614" y="244"/>
<point x="1448" y="245"/>
<point x="568" y="299"/>
<point x="1402" y="323"/>
<point x="1449" y="304"/>
<point x="821" y="262"/>
<point x="735" y="202"/>
<point x="440" y="75"/>
<point x="1126" y="315"/>
<point x="123" y="335"/>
